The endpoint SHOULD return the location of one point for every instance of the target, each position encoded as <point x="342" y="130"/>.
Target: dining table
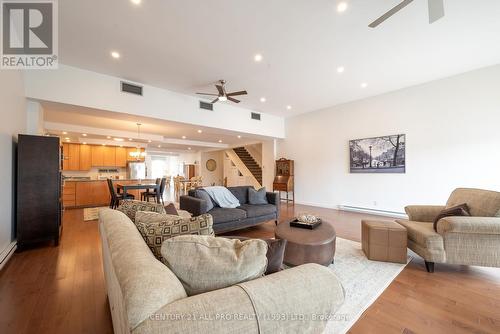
<point x="135" y="186"/>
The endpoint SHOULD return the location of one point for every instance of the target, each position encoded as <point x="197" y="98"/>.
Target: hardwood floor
<point x="61" y="290"/>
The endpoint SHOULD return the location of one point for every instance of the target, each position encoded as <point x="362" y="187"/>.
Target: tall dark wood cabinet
<point x="284" y="179"/>
<point x="38" y="190"/>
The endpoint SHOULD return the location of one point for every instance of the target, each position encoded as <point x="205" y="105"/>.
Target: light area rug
<point x="363" y="281"/>
<point x="91" y="213"/>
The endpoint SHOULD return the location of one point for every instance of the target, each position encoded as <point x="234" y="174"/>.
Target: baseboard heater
<point x="385" y="213"/>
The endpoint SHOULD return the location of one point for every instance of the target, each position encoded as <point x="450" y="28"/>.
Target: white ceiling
<point x="186" y="45"/>
<point x="99" y="124"/>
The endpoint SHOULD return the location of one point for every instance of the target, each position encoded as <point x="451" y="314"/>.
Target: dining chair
<point x="145" y="195"/>
<point x="116" y="198"/>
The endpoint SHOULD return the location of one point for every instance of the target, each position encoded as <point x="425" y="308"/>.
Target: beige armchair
<point x="471" y="240"/>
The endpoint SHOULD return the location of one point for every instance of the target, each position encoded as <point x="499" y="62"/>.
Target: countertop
<point x="114" y="180"/>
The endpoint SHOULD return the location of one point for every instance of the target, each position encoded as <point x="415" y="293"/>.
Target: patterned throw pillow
<point x="130" y="207"/>
<point x="156" y="228"/>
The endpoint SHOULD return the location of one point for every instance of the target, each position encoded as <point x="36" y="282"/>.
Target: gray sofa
<point x="146" y="297"/>
<point x="246" y="215"/>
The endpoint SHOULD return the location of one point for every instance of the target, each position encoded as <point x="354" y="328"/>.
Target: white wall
<point x="452" y="129"/>
<point x="13" y="115"/>
<point x="217" y="176"/>
<point x="90" y="89"/>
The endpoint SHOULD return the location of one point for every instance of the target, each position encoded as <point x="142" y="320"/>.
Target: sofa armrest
<point x="273" y="198"/>
<point x="193" y="205"/>
<point x="469" y="225"/>
<point x="423" y="213"/>
<point x="297" y="300"/>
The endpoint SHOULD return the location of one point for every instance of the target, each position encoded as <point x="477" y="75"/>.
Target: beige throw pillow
<point x="156" y="228"/>
<point x="130" y="208"/>
<point x="204" y="263"/>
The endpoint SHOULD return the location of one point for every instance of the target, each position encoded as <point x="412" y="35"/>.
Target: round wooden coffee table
<point x="307" y="246"/>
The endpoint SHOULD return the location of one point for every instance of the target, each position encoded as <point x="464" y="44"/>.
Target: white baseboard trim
<point x="384" y="213"/>
<point x="376" y="212"/>
<point x="7" y="253"/>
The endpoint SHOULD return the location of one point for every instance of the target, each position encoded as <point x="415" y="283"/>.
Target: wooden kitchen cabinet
<point x="92" y="193"/>
<point x="72" y="157"/>
<point x="109" y="158"/>
<point x="85" y="157"/>
<point x="69" y="193"/>
<point x="97" y="155"/>
<point x="121" y="157"/>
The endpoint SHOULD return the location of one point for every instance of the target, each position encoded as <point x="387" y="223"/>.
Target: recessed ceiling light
<point x="64" y="133"/>
<point x="340" y="69"/>
<point x="103" y="144"/>
<point x="115" y="54"/>
<point x="130" y="139"/>
<point x="136" y="2"/>
<point x="149" y="141"/>
<point x="257" y="57"/>
<point x="220" y="140"/>
<point x="199" y="131"/>
<point x="342" y="7"/>
<point x="67" y="138"/>
<point x="183" y="137"/>
<point x="84" y="143"/>
<point x="189" y="148"/>
<point x="289" y="107"/>
<point x="109" y="137"/>
<point x="239" y="136"/>
<point x="262" y="99"/>
<point x="84" y="134"/>
<point x="364" y="85"/>
<point x="118" y="139"/>
<point x="121" y="145"/>
<point x="159" y="146"/>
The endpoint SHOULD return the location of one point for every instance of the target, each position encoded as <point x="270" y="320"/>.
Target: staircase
<point x="249" y="162"/>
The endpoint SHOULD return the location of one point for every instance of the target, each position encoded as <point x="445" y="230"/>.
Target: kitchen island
<point x="83" y="193"/>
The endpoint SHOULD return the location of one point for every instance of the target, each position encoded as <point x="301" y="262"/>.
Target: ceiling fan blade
<point x="208" y="94"/>
<point x="220" y="89"/>
<point x="241" y="92"/>
<point x="233" y="100"/>
<point x="217" y="99"/>
<point x="436" y="10"/>
<point x="391" y="12"/>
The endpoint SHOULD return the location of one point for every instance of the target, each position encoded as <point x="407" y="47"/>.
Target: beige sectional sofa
<point x="146" y="297"/>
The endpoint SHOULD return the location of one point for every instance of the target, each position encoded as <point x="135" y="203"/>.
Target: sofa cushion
<point x="258" y="210"/>
<point x="275" y="252"/>
<point x="423" y="234"/>
<point x="241" y="193"/>
<point x="130" y="208"/>
<point x="204" y="263"/>
<point x="257" y="197"/>
<point x="224" y="215"/>
<point x="481" y="203"/>
<point x="156" y="228"/>
<point x="202" y="194"/>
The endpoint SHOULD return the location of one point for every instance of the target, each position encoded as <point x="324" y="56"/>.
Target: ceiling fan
<point x="436" y="11"/>
<point x="223" y="95"/>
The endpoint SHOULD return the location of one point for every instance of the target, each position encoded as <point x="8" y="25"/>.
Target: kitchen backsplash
<point x="99" y="173"/>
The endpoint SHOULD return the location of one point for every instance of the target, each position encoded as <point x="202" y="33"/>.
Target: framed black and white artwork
<point x="385" y="154"/>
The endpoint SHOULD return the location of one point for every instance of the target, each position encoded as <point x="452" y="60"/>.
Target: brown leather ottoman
<point x="384" y="241"/>
<point x="307" y="246"/>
